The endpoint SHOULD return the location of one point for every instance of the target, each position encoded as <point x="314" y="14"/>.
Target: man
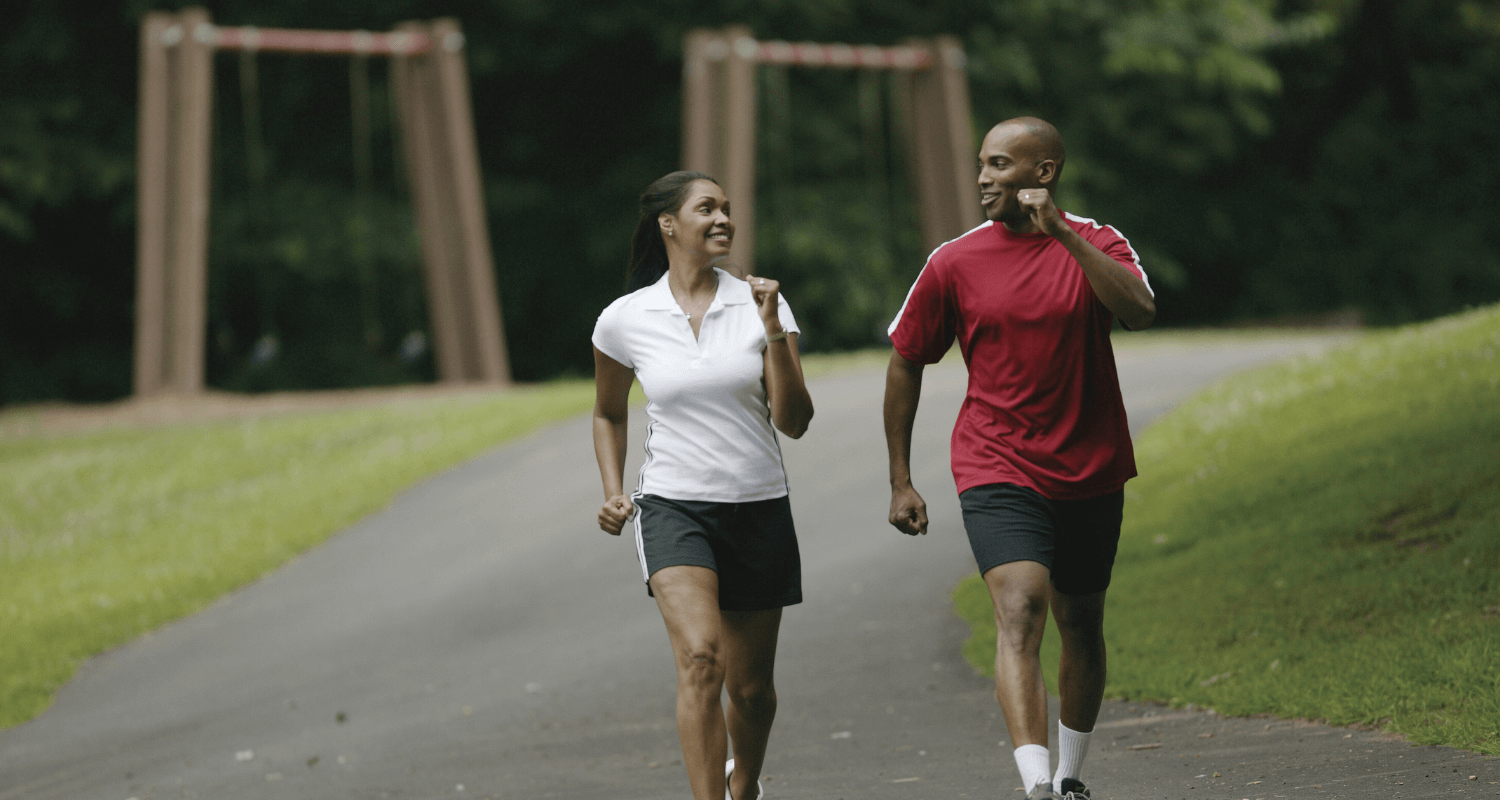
<point x="1041" y="450"/>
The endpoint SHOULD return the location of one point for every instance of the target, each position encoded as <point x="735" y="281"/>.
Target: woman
<point x="717" y="358"/>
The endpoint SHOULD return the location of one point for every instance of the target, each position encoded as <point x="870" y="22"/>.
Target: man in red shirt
<point x="1041" y="450"/>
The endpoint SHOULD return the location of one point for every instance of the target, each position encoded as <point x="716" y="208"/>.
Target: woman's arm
<point x="786" y="392"/>
<point x="611" y="413"/>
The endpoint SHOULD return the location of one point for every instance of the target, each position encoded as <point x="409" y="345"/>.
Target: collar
<point x="731" y="292"/>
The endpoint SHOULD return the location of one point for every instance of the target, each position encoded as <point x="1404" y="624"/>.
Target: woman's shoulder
<point x="629" y="301"/>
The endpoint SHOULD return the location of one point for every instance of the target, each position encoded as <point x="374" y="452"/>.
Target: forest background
<point x="1269" y="160"/>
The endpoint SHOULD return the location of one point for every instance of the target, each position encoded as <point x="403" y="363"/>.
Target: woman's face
<point x="702" y="225"/>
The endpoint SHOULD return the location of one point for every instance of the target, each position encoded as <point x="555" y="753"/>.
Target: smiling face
<point x="1013" y="157"/>
<point x="701" y="226"/>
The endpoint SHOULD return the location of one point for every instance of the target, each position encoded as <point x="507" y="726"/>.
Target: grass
<point x="106" y="535"/>
<point x="109" y="534"/>
<point x="1318" y="539"/>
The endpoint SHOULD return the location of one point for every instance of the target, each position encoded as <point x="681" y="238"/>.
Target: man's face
<point x="1007" y="164"/>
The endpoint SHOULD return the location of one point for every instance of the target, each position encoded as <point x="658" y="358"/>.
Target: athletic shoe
<point x="1073" y="790"/>
<point x="760" y="794"/>
<point x="1043" y="791"/>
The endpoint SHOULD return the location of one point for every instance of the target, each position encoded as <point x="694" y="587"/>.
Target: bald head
<point x="1032" y="139"/>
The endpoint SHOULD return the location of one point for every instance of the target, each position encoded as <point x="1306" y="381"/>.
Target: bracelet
<point x="775" y="337"/>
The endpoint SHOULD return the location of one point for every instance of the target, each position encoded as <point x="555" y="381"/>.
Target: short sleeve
<point x="609" y="333"/>
<point x="1114" y="244"/>
<point x="924" y="328"/>
<point x="784" y="312"/>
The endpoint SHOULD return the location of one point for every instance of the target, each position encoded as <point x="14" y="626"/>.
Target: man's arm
<point x="1122" y="291"/>
<point x="903" y="390"/>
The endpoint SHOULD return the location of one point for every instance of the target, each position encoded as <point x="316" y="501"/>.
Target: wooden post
<point x="949" y="67"/>
<point x="151" y="208"/>
<point x="698" y="100"/>
<point x="443" y="171"/>
<point x="739" y="141"/>
<point x="942" y="153"/>
<point x="172" y="201"/>
<point x="187" y="226"/>
<point x="489" y="362"/>
<point x="414" y="94"/>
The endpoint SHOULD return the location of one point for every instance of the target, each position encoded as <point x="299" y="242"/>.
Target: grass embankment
<point x="105" y="535"/>
<point x="1318" y="539"/>
<point x="109" y="534"/>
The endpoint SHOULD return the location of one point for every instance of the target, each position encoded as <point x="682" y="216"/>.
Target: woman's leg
<point x="689" y="601"/>
<point x="749" y="648"/>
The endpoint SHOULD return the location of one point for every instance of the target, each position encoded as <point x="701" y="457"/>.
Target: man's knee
<point x="1079" y="616"/>
<point x="1020" y="608"/>
<point x="1020" y="617"/>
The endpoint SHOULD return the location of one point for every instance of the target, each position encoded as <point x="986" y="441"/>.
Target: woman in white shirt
<point x="717" y="358"/>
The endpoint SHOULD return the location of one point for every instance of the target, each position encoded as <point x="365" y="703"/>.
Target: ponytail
<point x="648" y="253"/>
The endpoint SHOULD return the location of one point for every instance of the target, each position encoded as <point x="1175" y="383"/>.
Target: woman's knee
<point x="701" y="666"/>
<point x="753" y="696"/>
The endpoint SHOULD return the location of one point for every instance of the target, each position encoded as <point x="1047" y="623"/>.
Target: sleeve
<point x="609" y="333"/>
<point x="784" y="311"/>
<point x="1114" y="244"/>
<point x="924" y="328"/>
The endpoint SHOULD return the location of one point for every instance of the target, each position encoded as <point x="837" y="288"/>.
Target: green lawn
<point x="107" y="535"/>
<point x="1318" y="539"/>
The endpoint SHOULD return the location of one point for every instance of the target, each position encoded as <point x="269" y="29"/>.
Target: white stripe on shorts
<point x="640" y="544"/>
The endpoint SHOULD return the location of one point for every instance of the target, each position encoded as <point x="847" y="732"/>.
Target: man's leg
<point x="1019" y="591"/>
<point x="1080" y="677"/>
<point x="1088" y="538"/>
<point x="1080" y="673"/>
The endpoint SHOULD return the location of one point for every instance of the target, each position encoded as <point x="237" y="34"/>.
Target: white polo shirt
<point x="709" y="435"/>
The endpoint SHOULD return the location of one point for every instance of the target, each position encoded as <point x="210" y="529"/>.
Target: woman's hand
<point x="615" y="513"/>
<point x="767" y="295"/>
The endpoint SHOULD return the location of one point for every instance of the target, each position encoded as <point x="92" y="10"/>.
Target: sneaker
<point x="760" y="793"/>
<point x="1073" y="790"/>
<point x="1043" y="791"/>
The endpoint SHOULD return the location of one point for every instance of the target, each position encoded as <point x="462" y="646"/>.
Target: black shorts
<point x="752" y="546"/>
<point x="1075" y="539"/>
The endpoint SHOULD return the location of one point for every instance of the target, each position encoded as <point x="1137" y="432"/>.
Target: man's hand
<point x="615" y="513"/>
<point x="1044" y="214"/>
<point x="908" y="511"/>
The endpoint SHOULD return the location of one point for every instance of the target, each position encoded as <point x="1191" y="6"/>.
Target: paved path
<point x="480" y="638"/>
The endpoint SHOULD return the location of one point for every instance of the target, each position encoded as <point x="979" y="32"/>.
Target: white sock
<point x="1034" y="762"/>
<point x="1072" y="746"/>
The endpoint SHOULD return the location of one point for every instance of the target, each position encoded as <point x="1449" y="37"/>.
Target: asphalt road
<point x="480" y="638"/>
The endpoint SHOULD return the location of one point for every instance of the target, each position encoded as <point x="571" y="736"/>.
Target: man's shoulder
<point x="1092" y="229"/>
<point x="956" y="251"/>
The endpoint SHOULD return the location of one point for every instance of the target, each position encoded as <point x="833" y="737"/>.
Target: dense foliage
<point x="1267" y="158"/>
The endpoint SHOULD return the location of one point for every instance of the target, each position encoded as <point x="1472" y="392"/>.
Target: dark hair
<point x="648" y="253"/>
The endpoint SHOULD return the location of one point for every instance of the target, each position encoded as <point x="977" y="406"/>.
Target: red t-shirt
<point x="1043" y="407"/>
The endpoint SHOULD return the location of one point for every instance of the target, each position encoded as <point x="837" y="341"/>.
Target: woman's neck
<point x="692" y="278"/>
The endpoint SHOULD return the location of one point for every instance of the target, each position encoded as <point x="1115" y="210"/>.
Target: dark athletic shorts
<point x="753" y="547"/>
<point x="1075" y="539"/>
